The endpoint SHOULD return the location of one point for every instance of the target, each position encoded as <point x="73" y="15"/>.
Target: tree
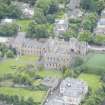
<point x="53" y="7"/>
<point x="38" y="31"/>
<point x="39" y="16"/>
<point x="89" y="21"/>
<point x="8" y="29"/>
<point x="99" y="39"/>
<point x="9" y="10"/>
<point x="30" y="101"/>
<point x="85" y="36"/>
<point x="93" y="5"/>
<point x="46" y="5"/>
<point x="78" y="61"/>
<point x="88" y="5"/>
<point x="50" y="18"/>
<point x="10" y="54"/>
<point x="100" y="5"/>
<point x="8" y="2"/>
<point x="69" y="34"/>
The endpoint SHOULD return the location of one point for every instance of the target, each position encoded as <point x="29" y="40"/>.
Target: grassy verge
<point x="37" y="96"/>
<point x="6" y="66"/>
<point x="93" y="81"/>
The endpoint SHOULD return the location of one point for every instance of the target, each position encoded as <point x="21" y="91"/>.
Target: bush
<point x="8" y="29"/>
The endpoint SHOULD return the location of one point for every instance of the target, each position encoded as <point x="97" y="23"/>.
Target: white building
<point x="7" y="20"/>
<point x="4" y="40"/>
<point x="61" y="26"/>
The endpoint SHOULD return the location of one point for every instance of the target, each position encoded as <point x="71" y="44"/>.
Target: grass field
<point x="10" y="65"/>
<point x="97" y="60"/>
<point x="92" y="80"/>
<point x="95" y="63"/>
<point x="6" y="65"/>
<point x="36" y="95"/>
<point x="46" y="73"/>
<point x="23" y="24"/>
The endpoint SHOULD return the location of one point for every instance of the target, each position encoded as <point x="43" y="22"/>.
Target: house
<point x="61" y="26"/>
<point x="73" y="91"/>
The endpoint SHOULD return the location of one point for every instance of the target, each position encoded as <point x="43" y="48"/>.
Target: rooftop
<point x="73" y="88"/>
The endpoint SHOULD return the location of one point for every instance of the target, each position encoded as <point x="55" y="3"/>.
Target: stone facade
<point x="54" y="53"/>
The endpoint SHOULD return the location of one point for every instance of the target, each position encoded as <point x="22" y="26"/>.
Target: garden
<point x="16" y="79"/>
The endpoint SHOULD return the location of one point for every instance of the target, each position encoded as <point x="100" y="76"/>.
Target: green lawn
<point x="7" y="65"/>
<point x="97" y="60"/>
<point x="24" y="24"/>
<point x="92" y="80"/>
<point x="49" y="73"/>
<point x="95" y="63"/>
<point x="36" y="95"/>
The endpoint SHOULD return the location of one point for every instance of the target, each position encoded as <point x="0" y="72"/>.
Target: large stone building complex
<point x="54" y="53"/>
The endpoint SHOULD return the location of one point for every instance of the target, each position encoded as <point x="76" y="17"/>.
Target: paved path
<point x="96" y="48"/>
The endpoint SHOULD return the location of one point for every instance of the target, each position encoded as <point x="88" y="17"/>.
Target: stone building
<point x="54" y="53"/>
<point x="61" y="26"/>
<point x="71" y="92"/>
